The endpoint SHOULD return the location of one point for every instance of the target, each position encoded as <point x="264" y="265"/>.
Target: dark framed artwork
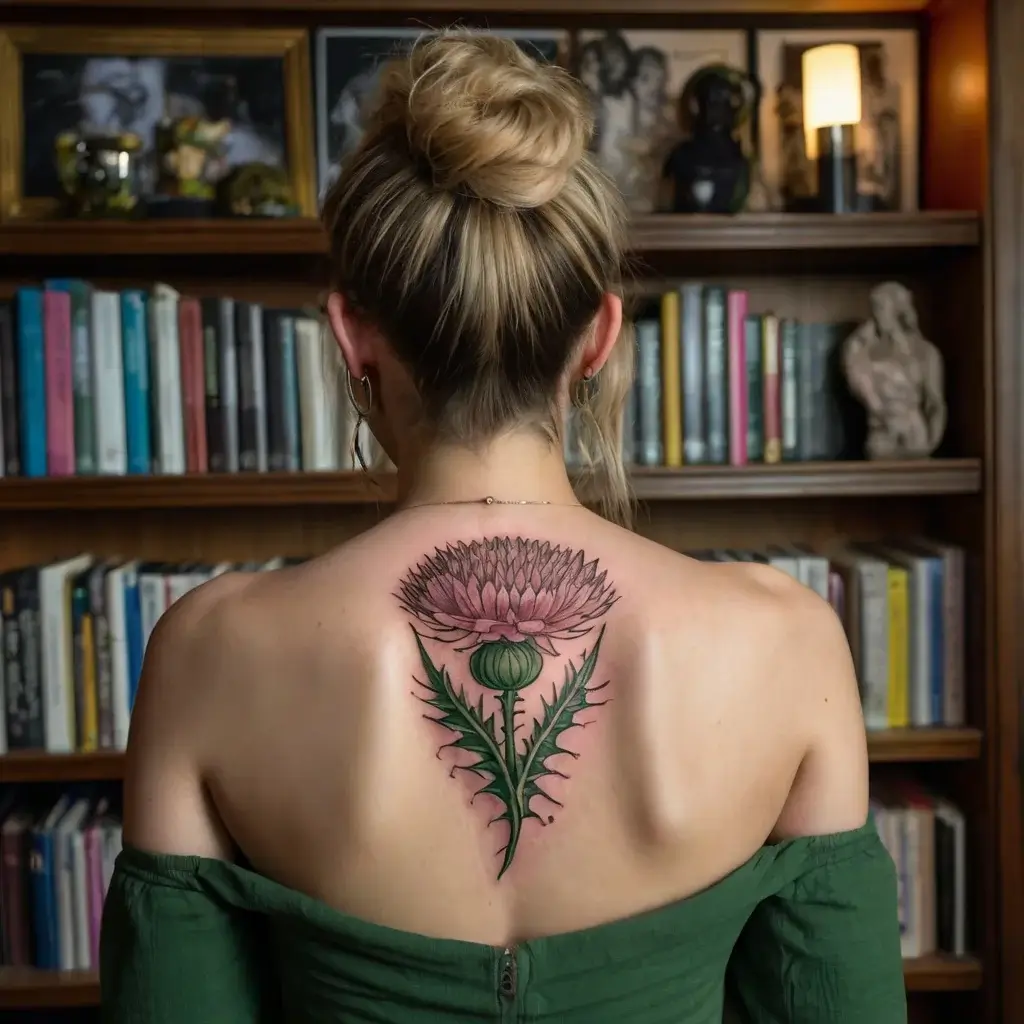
<point x="635" y="78"/>
<point x="347" y="65"/>
<point x="112" y="81"/>
<point x="887" y="138"/>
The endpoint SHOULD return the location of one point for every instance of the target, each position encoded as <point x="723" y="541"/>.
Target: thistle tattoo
<point x="507" y="602"/>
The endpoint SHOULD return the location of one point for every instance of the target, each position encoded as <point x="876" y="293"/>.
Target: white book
<point x="165" y="383"/>
<point x="108" y="383"/>
<point x="56" y="641"/>
<point x="317" y="398"/>
<point x="64" y="876"/>
<point x="118" y="638"/>
<point x="152" y="602"/>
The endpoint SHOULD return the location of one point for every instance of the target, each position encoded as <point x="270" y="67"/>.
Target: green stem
<point x="508" y="707"/>
<point x="508" y="700"/>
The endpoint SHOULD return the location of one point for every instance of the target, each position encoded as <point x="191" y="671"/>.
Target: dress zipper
<point x="508" y="980"/>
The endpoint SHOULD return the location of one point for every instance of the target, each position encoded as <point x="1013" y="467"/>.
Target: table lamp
<point x="832" y="107"/>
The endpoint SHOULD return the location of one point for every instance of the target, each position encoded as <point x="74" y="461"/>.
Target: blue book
<point x="44" y="888"/>
<point x="31" y="381"/>
<point x="135" y="341"/>
<point x="133" y="630"/>
<point x="290" y="384"/>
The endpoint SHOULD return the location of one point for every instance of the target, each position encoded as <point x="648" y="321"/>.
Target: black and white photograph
<point x="348" y="63"/>
<point x="108" y="95"/>
<point x="885" y="140"/>
<point x="636" y="80"/>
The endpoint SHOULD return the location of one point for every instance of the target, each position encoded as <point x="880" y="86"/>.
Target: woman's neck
<point x="512" y="468"/>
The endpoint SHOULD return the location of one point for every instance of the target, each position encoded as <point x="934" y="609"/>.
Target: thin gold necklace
<point x="490" y="500"/>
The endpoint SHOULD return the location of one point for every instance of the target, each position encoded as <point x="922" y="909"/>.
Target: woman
<point x="499" y="758"/>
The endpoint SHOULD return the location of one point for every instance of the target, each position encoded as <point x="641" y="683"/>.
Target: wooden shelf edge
<point x="653" y="233"/>
<point x="221" y="490"/>
<point x="888" y="746"/>
<point x="25" y="988"/>
<point x="942" y="973"/>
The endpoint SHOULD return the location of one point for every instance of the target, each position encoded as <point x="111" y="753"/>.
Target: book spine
<point x="789" y="390"/>
<point x="810" y="428"/>
<point x="274" y="376"/>
<point x="884" y="709"/>
<point x="671" y="397"/>
<point x="772" y="389"/>
<point x="32" y="381"/>
<point x="227" y="355"/>
<point x="16" y="706"/>
<point x="738" y="413"/>
<point x="319" y="443"/>
<point x="11" y="452"/>
<point x="83" y="403"/>
<point x="189" y="338"/>
<point x="108" y="381"/>
<point x="30" y="631"/>
<point x="166" y="364"/>
<point x="648" y="344"/>
<point x="716" y="375"/>
<point x="259" y="381"/>
<point x="289" y="374"/>
<point x="695" y="441"/>
<point x="60" y="424"/>
<point x="216" y="453"/>
<point x="135" y="357"/>
<point x="755" y="388"/>
<point x="247" y="411"/>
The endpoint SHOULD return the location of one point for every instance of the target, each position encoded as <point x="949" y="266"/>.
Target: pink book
<point x="94" y="881"/>
<point x="60" y="418"/>
<point x="737" y="379"/>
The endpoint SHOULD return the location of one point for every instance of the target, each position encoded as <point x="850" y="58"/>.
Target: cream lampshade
<point x="832" y="107"/>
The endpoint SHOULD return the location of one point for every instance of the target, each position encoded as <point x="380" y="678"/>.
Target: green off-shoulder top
<point x="805" y="932"/>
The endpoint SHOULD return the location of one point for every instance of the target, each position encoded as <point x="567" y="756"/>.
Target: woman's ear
<point x="351" y="335"/>
<point x="604" y="333"/>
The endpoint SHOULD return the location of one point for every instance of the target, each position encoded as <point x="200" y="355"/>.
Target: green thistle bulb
<point x="506" y="665"/>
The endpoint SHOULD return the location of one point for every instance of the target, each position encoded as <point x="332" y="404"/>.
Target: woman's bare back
<point x="341" y="723"/>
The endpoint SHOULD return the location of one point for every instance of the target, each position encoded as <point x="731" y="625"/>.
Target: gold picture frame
<point x="291" y="46"/>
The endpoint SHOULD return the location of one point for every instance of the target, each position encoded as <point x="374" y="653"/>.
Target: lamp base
<point x="837" y="170"/>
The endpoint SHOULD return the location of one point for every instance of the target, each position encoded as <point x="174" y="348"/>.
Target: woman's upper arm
<point x="174" y="728"/>
<point x="830" y="791"/>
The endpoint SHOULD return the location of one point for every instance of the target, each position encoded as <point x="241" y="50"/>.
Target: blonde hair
<point x="473" y="227"/>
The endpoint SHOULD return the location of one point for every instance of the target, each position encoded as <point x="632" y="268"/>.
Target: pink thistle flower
<point x="506" y="589"/>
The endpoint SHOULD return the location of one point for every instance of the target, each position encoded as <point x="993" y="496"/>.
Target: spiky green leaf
<point x="574" y="698"/>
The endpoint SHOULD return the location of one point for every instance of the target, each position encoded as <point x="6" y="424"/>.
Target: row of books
<point x="97" y="381"/>
<point x="57" y="861"/>
<point x="104" y="382"/>
<point x="902" y="605"/>
<point x="718" y="384"/>
<point x="926" y="836"/>
<point x="74" y="635"/>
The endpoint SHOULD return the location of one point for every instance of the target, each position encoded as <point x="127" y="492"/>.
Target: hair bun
<point x="485" y="118"/>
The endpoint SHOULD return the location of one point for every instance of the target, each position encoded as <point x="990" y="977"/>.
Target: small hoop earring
<point x="581" y="391"/>
<point x="362" y="412"/>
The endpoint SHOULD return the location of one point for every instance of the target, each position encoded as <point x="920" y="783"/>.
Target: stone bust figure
<point x="898" y="376"/>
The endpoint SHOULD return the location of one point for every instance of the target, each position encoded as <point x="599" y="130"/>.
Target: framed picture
<point x="108" y="80"/>
<point x="886" y="138"/>
<point x="636" y="79"/>
<point x="348" y="62"/>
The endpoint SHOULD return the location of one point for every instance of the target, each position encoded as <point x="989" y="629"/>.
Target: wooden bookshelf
<point x="964" y="266"/>
<point x="268" y="490"/>
<point x="771" y="232"/>
<point x="888" y="746"/>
